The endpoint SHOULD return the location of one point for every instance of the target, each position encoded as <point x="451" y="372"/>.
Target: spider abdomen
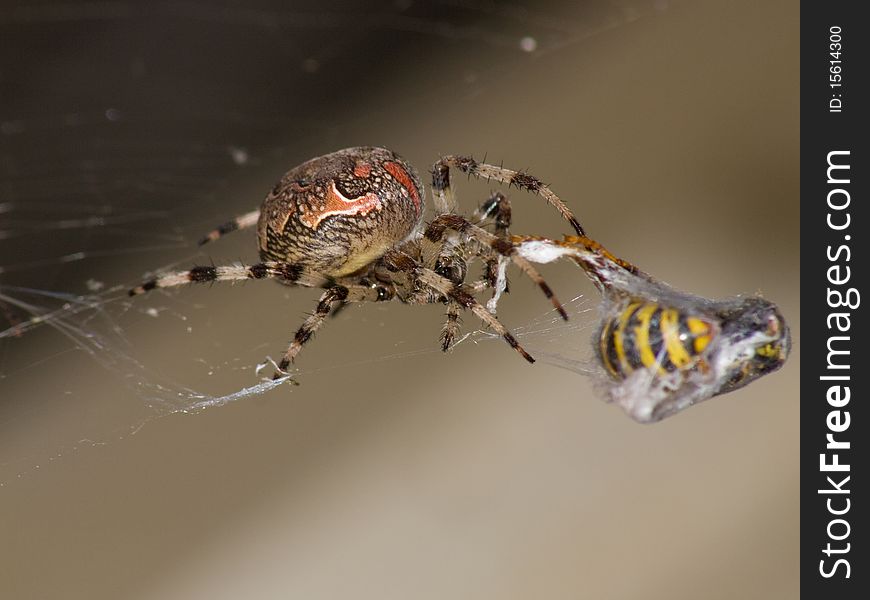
<point x="339" y="212"/>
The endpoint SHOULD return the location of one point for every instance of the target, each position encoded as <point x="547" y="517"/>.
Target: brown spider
<point x="351" y="222"/>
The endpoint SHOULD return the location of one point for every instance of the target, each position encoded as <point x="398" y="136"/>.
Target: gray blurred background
<point x="127" y="130"/>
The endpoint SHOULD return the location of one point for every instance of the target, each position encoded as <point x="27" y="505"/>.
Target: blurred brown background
<point x="670" y="127"/>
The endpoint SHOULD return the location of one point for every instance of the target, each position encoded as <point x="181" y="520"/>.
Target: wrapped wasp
<point x="664" y="350"/>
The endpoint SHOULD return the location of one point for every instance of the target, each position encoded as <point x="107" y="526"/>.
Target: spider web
<point x="109" y="172"/>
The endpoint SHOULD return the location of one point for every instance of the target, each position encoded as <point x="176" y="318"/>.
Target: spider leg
<point x="579" y="247"/>
<point x="602" y="266"/>
<point x="475" y="287"/>
<point x="448" y="260"/>
<point x="498" y="210"/>
<point x="241" y="222"/>
<point x="350" y="282"/>
<point x="443" y="193"/>
<point x="451" y="265"/>
<point x="410" y="278"/>
<point x="286" y="273"/>
<point x="435" y="233"/>
<point x="446" y="288"/>
<point x="337" y="293"/>
<point x="451" y="326"/>
<point x="338" y="309"/>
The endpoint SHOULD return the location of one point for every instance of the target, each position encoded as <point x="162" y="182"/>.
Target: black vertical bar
<point x="834" y="228"/>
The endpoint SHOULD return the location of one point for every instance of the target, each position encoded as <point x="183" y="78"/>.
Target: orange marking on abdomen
<point x="401" y="175"/>
<point x="362" y="169"/>
<point x="336" y="204"/>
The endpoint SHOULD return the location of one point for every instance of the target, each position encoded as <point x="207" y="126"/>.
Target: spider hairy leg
<point x="509" y="177"/>
<point x="498" y="210"/>
<point x="449" y="263"/>
<point x="241" y="222"/>
<point x="598" y="262"/>
<point x="463" y="297"/>
<point x="435" y="233"/>
<point x="451" y="326"/>
<point x="442" y="192"/>
<point x="286" y="273"/>
<point x="582" y="246"/>
<point x="343" y="294"/>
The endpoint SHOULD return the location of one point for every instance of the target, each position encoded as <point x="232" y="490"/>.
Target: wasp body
<point x="648" y="335"/>
<point x="664" y="349"/>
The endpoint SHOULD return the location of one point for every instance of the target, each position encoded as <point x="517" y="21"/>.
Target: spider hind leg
<point x="241" y="222"/>
<point x="284" y="272"/>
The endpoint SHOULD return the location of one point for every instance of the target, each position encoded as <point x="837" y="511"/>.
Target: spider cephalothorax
<point x="339" y="212"/>
<point x="350" y="222"/>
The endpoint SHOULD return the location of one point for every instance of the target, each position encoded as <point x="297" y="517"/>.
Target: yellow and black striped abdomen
<point x="650" y="335"/>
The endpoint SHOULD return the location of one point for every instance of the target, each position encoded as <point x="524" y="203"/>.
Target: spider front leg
<point x="463" y="297"/>
<point x="498" y="210"/>
<point x="343" y="294"/>
<point x="421" y="286"/>
<point x="603" y="267"/>
<point x="443" y="193"/>
<point x="434" y="234"/>
<point x="453" y="323"/>
<point x="452" y="266"/>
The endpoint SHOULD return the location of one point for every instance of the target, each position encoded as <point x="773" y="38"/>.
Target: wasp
<point x="649" y="335"/>
<point x="664" y="339"/>
<point x="663" y="349"/>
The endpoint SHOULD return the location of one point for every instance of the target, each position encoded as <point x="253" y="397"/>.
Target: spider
<point x="350" y="222"/>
